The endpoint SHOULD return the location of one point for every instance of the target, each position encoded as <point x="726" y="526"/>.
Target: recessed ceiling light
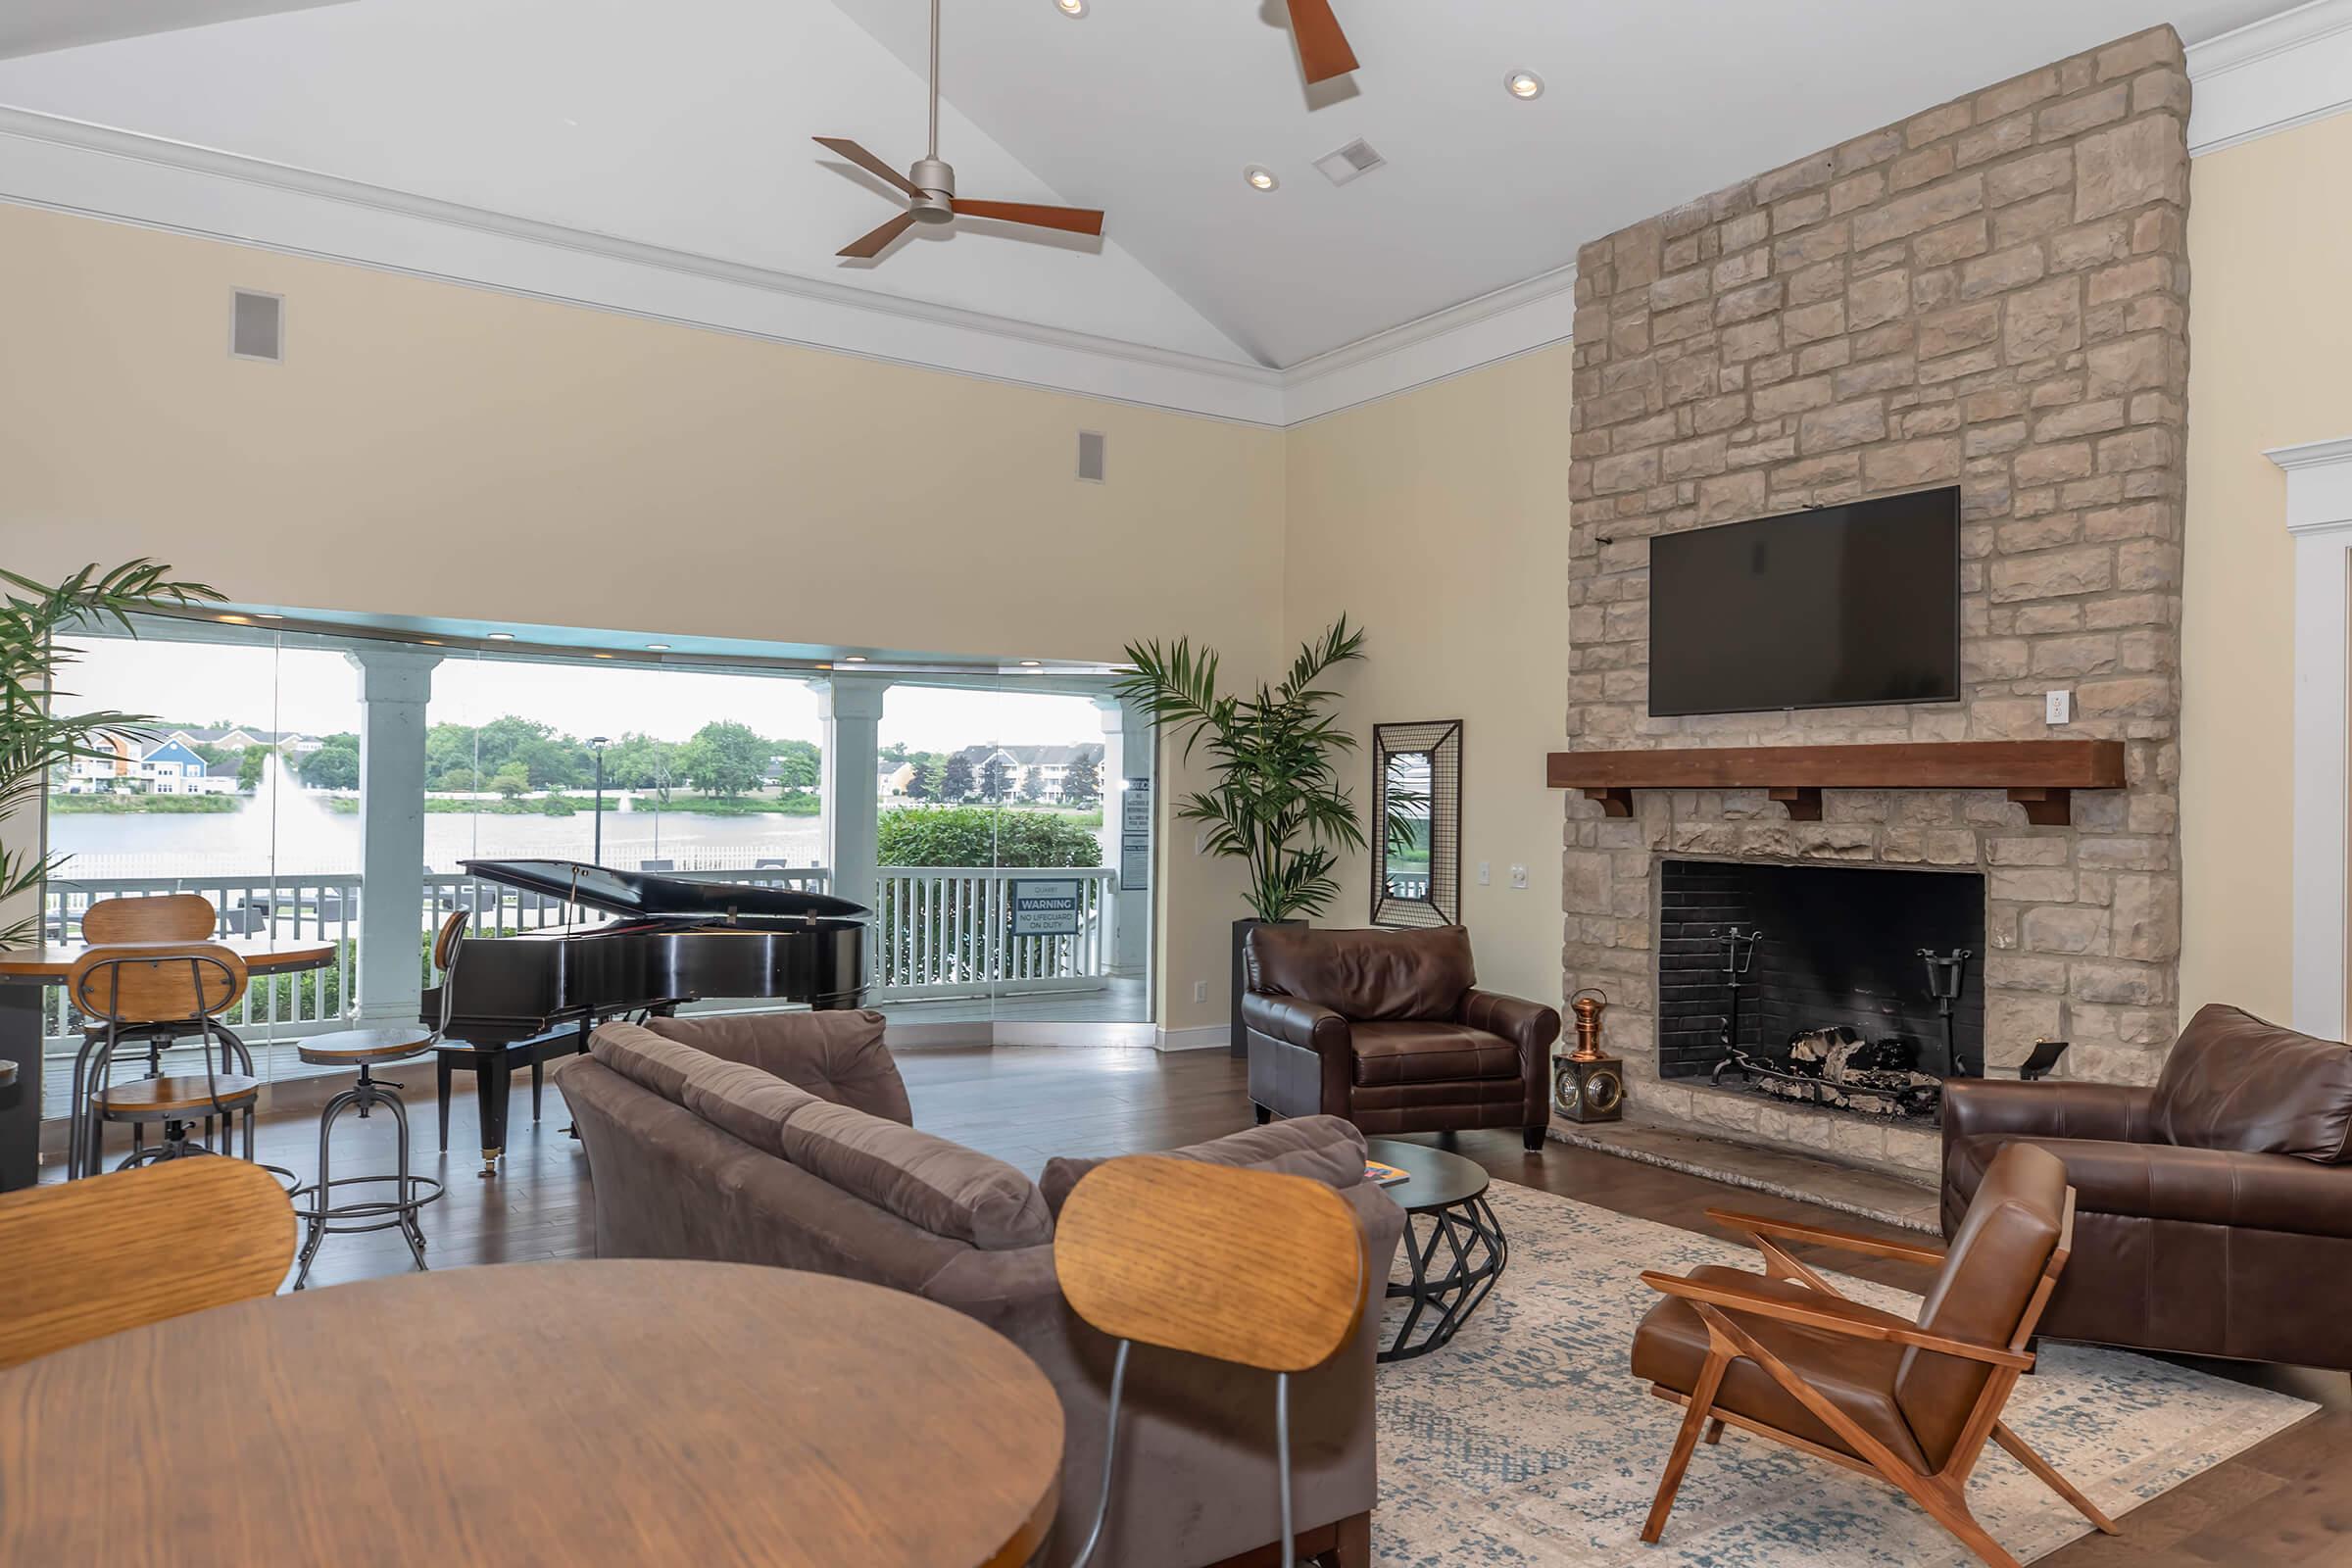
<point x="264" y="614"/>
<point x="600" y="656"/>
<point x="1260" y="178"/>
<point x="235" y="621"/>
<point x="657" y="647"/>
<point x="852" y="658"/>
<point x="1030" y="663"/>
<point x="1071" y="8"/>
<point x="1523" y="84"/>
<point x="500" y="636"/>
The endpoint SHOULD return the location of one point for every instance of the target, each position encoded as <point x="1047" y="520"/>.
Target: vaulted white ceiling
<point x="685" y="123"/>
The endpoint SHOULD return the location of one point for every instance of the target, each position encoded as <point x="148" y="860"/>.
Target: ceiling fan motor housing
<point x="937" y="182"/>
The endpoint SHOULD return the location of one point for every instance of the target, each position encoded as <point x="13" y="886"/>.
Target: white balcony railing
<point x="939" y="932"/>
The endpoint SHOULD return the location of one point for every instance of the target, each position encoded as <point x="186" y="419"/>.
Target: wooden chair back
<point x="1245" y="1266"/>
<point x="446" y="940"/>
<point x="163" y="917"/>
<point x="147" y="985"/>
<point x="82" y="1255"/>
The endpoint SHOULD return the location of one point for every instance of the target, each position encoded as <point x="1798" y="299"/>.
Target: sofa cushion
<point x="752" y="1105"/>
<point x="645" y="1059"/>
<point x="942" y="1187"/>
<point x="2237" y="1082"/>
<point x="1323" y="1149"/>
<point x="1366" y="974"/>
<point x="836" y="1056"/>
<point x="1430" y="1053"/>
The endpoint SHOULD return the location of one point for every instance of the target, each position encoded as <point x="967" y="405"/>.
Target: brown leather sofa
<point x="2214" y="1210"/>
<point x="1389" y="1030"/>
<point x="787" y="1140"/>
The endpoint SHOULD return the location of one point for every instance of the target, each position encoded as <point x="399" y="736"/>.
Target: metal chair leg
<point x="410" y="1230"/>
<point x="1282" y="1462"/>
<point x="1111" y="1453"/>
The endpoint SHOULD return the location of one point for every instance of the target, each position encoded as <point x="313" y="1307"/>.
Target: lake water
<point x="292" y="831"/>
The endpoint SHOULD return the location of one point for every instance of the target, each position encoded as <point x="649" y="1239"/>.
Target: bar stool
<point x="408" y="1192"/>
<point x="178" y="917"/>
<point x="1147" y="1249"/>
<point x="135" y="992"/>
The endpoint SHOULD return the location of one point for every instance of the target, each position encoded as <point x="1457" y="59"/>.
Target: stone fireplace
<point x="1993" y="294"/>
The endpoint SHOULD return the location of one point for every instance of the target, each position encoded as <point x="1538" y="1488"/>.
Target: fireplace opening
<point x="1847" y="989"/>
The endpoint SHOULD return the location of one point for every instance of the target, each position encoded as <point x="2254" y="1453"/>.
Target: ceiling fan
<point x="1322" y="47"/>
<point x="930" y="188"/>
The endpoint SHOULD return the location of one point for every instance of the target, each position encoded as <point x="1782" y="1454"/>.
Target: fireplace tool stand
<point x="1739" y="951"/>
<point x="1947" y="972"/>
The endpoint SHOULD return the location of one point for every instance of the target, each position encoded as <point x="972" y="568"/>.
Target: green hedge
<point x="974" y="835"/>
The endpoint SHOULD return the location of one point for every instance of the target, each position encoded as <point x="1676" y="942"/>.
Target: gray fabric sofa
<point x="787" y="1140"/>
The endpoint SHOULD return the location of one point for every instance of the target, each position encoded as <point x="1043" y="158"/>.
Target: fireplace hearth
<point x="1837" y="988"/>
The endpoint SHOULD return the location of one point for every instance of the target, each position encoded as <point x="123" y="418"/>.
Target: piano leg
<point x="492" y="1076"/>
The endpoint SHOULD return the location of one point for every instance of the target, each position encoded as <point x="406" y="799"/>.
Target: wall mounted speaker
<point x="257" y="327"/>
<point x="1090" y="456"/>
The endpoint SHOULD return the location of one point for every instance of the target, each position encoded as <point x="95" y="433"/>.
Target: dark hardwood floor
<point x="2285" y="1501"/>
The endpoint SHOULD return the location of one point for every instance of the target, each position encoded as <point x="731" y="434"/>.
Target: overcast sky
<point x="318" y="692"/>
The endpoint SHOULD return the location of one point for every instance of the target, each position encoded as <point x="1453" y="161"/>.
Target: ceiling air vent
<point x="1356" y="158"/>
<point x="1090" y="456"/>
<point x="257" y="327"/>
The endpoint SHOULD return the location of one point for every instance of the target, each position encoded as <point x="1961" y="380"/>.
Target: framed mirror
<point x="1417" y="820"/>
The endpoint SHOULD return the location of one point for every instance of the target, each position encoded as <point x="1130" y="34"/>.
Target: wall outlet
<point x="2058" y="708"/>
<point x="1518" y="877"/>
<point x="1486" y="873"/>
<point x="1199" y="991"/>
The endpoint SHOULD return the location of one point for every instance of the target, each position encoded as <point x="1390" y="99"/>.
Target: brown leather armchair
<point x="1390" y="1030"/>
<point x="2214" y="1209"/>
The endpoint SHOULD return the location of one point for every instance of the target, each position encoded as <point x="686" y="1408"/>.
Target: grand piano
<point x="669" y="940"/>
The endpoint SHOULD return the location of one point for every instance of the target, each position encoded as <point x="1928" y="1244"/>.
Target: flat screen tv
<point x="1837" y="607"/>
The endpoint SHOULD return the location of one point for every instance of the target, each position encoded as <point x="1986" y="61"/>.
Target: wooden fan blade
<point x="873" y="244"/>
<point x="868" y="162"/>
<point x="1322" y="47"/>
<point x="1074" y="219"/>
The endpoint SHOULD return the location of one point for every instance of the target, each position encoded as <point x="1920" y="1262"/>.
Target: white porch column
<point x="1130" y="771"/>
<point x="2318" y="515"/>
<point x="394" y="686"/>
<point x="851" y="707"/>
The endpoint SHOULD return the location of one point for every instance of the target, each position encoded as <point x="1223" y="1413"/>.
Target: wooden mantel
<point x="2039" y="775"/>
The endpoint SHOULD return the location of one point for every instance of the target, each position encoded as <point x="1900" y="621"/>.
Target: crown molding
<point x="94" y="171"/>
<point x="1525" y="317"/>
<point x="2318" y="485"/>
<point x="2271" y="76"/>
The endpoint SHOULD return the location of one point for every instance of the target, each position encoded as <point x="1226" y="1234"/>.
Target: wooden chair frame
<point x="1942" y="1493"/>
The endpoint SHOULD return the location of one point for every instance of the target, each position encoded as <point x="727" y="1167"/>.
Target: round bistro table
<point x="1453" y="1246"/>
<point x="528" y="1414"/>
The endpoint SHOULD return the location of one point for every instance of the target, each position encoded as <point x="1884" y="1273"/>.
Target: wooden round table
<point x="578" y="1413"/>
<point x="25" y="971"/>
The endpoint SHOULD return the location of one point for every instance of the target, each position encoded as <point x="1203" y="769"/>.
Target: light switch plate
<point x="1199" y="991"/>
<point x="1486" y="873"/>
<point x="1518" y="877"/>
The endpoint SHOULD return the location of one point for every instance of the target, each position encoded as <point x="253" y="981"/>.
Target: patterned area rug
<point x="1527" y="1442"/>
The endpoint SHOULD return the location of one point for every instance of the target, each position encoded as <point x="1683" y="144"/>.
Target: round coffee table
<point x="1455" y="1256"/>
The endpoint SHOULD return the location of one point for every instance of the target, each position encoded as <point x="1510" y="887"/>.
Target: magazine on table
<point x="1381" y="1175"/>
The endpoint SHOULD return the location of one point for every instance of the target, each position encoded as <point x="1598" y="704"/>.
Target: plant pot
<point x="1238" y="1042"/>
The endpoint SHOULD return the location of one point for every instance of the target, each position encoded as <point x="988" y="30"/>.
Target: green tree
<point x="974" y="835"/>
<point x="503" y="737"/>
<point x="511" y="780"/>
<point x="334" y="766"/>
<point x="555" y="762"/>
<point x="250" y="767"/>
<point x="1033" y="787"/>
<point x="1082" y="784"/>
<point x="724" y="758"/>
<point x="799" y="765"/>
<point x="449" y="756"/>
<point x="641" y="762"/>
<point x="956" y="779"/>
<point x="994" y="779"/>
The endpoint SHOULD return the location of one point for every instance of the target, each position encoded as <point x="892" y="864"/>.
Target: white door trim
<point x="2318" y="515"/>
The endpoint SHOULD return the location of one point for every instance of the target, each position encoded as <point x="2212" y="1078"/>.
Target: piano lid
<point x="642" y="895"/>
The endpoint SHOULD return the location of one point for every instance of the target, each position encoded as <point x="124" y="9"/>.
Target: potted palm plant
<point x="35" y="738"/>
<point x="1276" y="801"/>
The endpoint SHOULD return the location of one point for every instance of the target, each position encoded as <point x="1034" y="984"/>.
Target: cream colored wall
<point x="2269" y="240"/>
<point x="1438" y="521"/>
<point x="430" y="449"/>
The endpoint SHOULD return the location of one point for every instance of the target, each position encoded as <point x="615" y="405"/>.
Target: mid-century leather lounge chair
<point x="1782" y="1355"/>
